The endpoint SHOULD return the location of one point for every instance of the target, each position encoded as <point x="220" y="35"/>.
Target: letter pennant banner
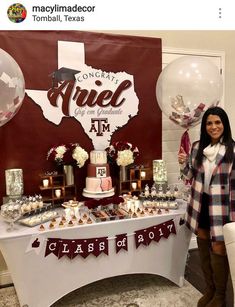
<point x="154" y="233"/>
<point x="121" y="242"/>
<point x="96" y="246"/>
<point x="72" y="248"/>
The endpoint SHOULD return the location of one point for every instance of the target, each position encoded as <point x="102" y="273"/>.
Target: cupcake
<point x="89" y="221"/>
<point x="85" y="216"/>
<point x="51" y="225"/>
<point x="134" y="215"/>
<point x="61" y="224"/>
<point x="70" y="223"/>
<point x="63" y="219"/>
<point x="53" y="220"/>
<point x="41" y="228"/>
<point x="80" y="222"/>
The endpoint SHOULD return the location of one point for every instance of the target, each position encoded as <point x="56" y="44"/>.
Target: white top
<point x="210" y="152"/>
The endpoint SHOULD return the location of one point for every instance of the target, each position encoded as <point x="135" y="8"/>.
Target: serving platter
<point x="37" y="219"/>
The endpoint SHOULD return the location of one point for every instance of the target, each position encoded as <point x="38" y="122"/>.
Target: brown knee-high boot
<point x="204" y="247"/>
<point x="220" y="269"/>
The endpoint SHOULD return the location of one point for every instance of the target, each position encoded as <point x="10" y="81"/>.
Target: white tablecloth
<point x="40" y="281"/>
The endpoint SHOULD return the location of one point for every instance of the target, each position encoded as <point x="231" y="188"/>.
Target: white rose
<point x="60" y="150"/>
<point x="80" y="155"/>
<point x="125" y="157"/>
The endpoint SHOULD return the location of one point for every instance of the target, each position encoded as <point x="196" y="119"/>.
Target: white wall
<point x="202" y="40"/>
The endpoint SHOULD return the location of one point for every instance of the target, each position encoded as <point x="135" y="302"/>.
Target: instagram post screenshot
<point x="117" y="160"/>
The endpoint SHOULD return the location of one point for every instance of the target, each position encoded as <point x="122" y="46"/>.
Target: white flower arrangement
<point x="70" y="154"/>
<point x="60" y="151"/>
<point x="125" y="157"/>
<point x="80" y="155"/>
<point x="122" y="153"/>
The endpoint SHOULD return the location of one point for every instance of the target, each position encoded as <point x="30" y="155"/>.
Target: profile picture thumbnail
<point x="16" y="13"/>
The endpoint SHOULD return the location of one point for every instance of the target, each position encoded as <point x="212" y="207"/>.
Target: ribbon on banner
<point x="141" y="237"/>
<point x="84" y="247"/>
<point x="35" y="243"/>
<point x="72" y="248"/>
<point x="52" y="247"/>
<point x="65" y="248"/>
<point x="154" y="233"/>
<point x="77" y="249"/>
<point x="121" y="242"/>
<point x="99" y="245"/>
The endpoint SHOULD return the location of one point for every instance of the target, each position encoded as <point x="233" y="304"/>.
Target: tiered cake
<point x="98" y="180"/>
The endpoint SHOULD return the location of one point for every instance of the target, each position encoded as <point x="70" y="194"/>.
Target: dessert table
<point x="40" y="281"/>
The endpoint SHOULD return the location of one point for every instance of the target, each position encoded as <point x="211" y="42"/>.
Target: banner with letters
<point x="96" y="246"/>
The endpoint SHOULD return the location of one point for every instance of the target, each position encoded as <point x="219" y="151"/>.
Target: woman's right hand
<point x="182" y="156"/>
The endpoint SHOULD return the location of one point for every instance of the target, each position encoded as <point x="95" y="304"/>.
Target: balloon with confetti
<point x="12" y="87"/>
<point x="187" y="87"/>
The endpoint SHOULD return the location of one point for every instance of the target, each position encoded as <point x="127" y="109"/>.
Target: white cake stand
<point x="98" y="195"/>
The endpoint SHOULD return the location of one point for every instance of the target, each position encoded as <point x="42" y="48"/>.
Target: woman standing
<point x="211" y="167"/>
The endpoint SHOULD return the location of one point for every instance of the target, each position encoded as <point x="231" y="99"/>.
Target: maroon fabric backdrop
<point x="26" y="138"/>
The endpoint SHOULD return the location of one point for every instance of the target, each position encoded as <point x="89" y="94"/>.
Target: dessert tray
<point x="109" y="215"/>
<point x="37" y="219"/>
<point x="33" y="211"/>
<point x="72" y="204"/>
<point x="161" y="205"/>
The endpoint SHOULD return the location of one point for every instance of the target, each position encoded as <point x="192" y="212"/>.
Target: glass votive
<point x="14" y="182"/>
<point x="67" y="213"/>
<point x="137" y="204"/>
<point x="159" y="171"/>
<point x="128" y="203"/>
<point x="134" y="185"/>
<point x="45" y="183"/>
<point x="142" y="174"/>
<point x="58" y="193"/>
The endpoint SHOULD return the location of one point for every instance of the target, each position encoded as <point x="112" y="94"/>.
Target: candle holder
<point x="14" y="182"/>
<point x="58" y="193"/>
<point x="45" y="183"/>
<point x="134" y="185"/>
<point x="159" y="172"/>
<point x="142" y="174"/>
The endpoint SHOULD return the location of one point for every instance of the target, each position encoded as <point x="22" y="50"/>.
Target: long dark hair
<point x="205" y="139"/>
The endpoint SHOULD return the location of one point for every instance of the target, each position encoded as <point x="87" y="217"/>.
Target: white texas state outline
<point x="72" y="55"/>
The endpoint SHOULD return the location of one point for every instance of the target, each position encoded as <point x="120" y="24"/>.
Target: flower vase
<point x="60" y="169"/>
<point x="123" y="173"/>
<point x="69" y="175"/>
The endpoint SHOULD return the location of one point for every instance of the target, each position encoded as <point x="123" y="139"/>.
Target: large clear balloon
<point x="187" y="87"/>
<point x="12" y="87"/>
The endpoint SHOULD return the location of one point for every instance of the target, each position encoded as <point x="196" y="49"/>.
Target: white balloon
<point x="12" y="87"/>
<point x="187" y="87"/>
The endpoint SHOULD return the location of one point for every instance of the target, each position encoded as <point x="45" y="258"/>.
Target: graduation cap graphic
<point x="63" y="74"/>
